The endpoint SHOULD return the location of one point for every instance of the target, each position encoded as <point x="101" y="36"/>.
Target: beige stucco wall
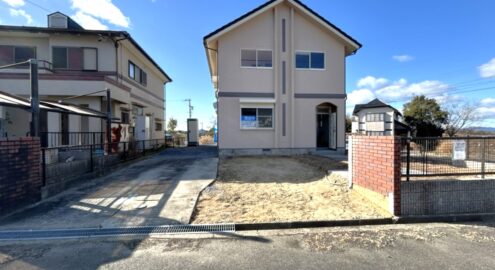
<point x="154" y="91"/>
<point x="265" y="32"/>
<point x="305" y="119"/>
<point x="311" y="37"/>
<point x="231" y="136"/>
<point x="255" y="34"/>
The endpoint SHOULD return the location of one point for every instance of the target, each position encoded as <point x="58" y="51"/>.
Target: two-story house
<point x="377" y="118"/>
<point x="74" y="61"/>
<point x="279" y="77"/>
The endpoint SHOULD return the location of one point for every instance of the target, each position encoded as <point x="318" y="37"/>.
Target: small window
<point x="23" y="54"/>
<point x="375" y="133"/>
<point x="60" y="58"/>
<point x="124" y="117"/>
<point x="16" y="54"/>
<point x="6" y="55"/>
<point x="264" y="59"/>
<point x="132" y="70"/>
<point x="74" y="58"/>
<point x="302" y="60"/>
<point x="144" y="78"/>
<point x="158" y="126"/>
<point x="317" y="60"/>
<point x="256" y="58"/>
<point x="137" y="110"/>
<point x="90" y="58"/>
<point x="248" y="58"/>
<point x="310" y="60"/>
<point x="265" y="118"/>
<point x="256" y="118"/>
<point x="375" y="117"/>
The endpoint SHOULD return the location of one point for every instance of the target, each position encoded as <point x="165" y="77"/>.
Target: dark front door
<point x="322" y="130"/>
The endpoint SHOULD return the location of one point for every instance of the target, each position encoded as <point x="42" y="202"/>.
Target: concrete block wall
<point x="20" y="173"/>
<point x="375" y="169"/>
<point x="443" y="197"/>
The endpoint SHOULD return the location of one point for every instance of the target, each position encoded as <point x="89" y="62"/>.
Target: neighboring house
<point x="75" y="61"/>
<point x="279" y="77"/>
<point x="377" y="118"/>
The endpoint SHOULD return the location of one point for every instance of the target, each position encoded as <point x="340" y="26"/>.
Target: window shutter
<point x="90" y="59"/>
<point x="75" y="58"/>
<point x="144" y="78"/>
<point x="6" y="55"/>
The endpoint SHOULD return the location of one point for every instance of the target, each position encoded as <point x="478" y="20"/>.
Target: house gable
<point x="300" y="7"/>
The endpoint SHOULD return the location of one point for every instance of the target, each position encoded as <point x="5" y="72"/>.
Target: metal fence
<point x="457" y="156"/>
<point x="65" y="162"/>
<point x="54" y="139"/>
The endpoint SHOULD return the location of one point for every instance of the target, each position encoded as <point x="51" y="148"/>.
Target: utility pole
<point x="109" y="120"/>
<point x="35" y="100"/>
<point x="190" y="107"/>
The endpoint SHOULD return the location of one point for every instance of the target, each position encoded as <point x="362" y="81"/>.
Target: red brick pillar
<point x="376" y="169"/>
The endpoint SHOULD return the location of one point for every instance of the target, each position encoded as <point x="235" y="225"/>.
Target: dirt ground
<point x="269" y="189"/>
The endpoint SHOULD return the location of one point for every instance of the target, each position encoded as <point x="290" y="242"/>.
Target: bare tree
<point x="460" y="115"/>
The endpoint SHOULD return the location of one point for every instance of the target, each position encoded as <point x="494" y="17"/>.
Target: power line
<point x="37" y="5"/>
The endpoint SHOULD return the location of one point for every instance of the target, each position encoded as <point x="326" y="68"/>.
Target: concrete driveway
<point x="159" y="190"/>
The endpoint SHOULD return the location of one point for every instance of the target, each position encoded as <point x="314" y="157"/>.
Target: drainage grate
<point x="96" y="232"/>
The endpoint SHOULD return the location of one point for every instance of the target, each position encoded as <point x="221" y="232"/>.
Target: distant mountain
<point x="482" y="129"/>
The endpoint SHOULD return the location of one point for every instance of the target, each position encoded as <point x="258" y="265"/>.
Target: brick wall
<point x="375" y="169"/>
<point x="20" y="173"/>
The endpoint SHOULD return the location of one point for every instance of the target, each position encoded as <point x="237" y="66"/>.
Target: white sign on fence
<point x="459" y="150"/>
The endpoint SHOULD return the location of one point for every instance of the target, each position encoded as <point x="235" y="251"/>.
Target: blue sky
<point x="444" y="49"/>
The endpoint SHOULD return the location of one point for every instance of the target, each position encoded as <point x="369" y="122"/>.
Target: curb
<point x="363" y="222"/>
<point x="313" y="224"/>
<point x="445" y="218"/>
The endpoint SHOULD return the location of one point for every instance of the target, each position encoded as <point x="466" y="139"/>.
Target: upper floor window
<point x="124" y="117"/>
<point x="256" y="58"/>
<point x="137" y="74"/>
<point x="16" y="54"/>
<point x="158" y="126"/>
<point x="375" y="117"/>
<point x="75" y="58"/>
<point x="310" y="60"/>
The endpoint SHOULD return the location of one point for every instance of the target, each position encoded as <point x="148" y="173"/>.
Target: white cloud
<point x="359" y="96"/>
<point x="371" y="82"/>
<point x="21" y="13"/>
<point x="486" y="113"/>
<point x="487" y="101"/>
<point x="403" y="58"/>
<point x="488" y="69"/>
<point x="14" y="3"/>
<point x="102" y="9"/>
<point x="88" y="21"/>
<point x="396" y="91"/>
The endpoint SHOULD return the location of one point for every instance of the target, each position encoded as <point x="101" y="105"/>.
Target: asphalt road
<point x="430" y="246"/>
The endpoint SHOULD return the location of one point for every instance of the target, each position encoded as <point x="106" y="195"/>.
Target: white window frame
<point x="256" y="50"/>
<point x="309" y="53"/>
<point x="374" y="114"/>
<point x="248" y="106"/>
